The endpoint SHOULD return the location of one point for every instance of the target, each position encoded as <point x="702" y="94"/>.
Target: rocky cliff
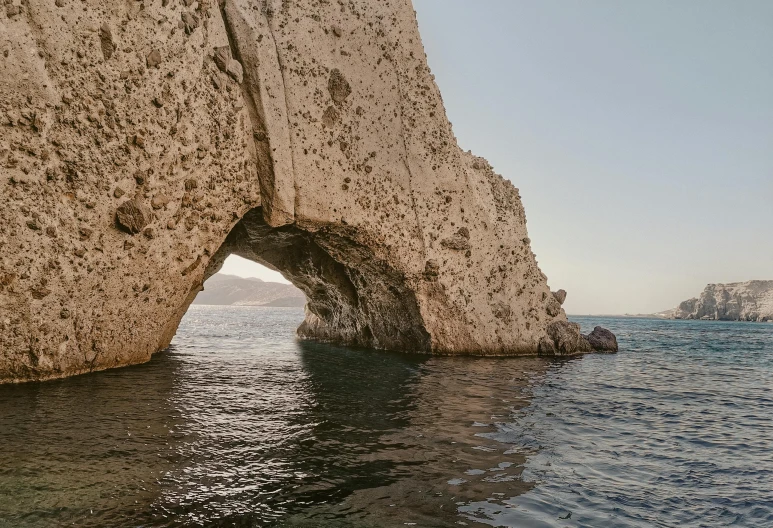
<point x="229" y="290"/>
<point x="144" y="141"/>
<point x="737" y="301"/>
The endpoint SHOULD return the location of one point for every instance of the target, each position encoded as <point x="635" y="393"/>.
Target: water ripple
<point x="238" y="424"/>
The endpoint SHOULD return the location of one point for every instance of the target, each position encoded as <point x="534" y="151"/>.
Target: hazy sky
<point x="234" y="265"/>
<point x="639" y="133"/>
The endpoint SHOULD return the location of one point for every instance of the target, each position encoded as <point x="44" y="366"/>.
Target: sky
<point x="640" y="135"/>
<point x="242" y="267"/>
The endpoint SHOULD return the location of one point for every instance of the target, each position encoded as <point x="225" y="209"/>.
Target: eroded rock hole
<point x="353" y="298"/>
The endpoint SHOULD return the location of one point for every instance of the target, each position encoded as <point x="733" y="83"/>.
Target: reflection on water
<point x="240" y="425"/>
<point x="86" y="448"/>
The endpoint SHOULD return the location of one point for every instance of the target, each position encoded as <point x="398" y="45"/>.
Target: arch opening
<point x="353" y="298"/>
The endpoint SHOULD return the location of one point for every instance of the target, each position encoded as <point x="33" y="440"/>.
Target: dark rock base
<point x="564" y="339"/>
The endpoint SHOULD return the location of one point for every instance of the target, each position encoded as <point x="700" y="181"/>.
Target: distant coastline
<point x="230" y="290"/>
<point x="750" y="301"/>
<point x="661" y="317"/>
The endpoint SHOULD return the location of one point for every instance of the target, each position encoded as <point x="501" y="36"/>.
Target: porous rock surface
<point x="144" y="141"/>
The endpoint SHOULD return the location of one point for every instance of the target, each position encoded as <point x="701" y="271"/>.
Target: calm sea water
<point x="240" y="425"/>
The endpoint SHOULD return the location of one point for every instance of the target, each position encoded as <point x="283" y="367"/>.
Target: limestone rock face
<point x="738" y="301"/>
<point x="143" y="142"/>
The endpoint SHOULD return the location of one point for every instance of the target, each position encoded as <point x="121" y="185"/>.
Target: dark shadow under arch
<point x="354" y="298"/>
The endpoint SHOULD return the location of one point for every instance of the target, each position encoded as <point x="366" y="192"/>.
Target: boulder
<point x="564" y="338"/>
<point x="602" y="340"/>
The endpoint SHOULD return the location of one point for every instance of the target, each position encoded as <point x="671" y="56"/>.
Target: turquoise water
<point x="240" y="425"/>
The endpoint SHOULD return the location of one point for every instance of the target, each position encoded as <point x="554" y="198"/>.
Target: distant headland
<point x="736" y="301"/>
<point x="228" y="290"/>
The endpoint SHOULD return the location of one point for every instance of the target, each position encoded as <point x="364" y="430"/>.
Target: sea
<point x="240" y="424"/>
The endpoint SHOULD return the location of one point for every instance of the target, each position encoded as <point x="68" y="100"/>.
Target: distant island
<point x="737" y="301"/>
<point x="230" y="290"/>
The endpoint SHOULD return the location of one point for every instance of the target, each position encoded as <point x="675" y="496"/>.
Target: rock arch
<point x="353" y="297"/>
<point x="143" y="141"/>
